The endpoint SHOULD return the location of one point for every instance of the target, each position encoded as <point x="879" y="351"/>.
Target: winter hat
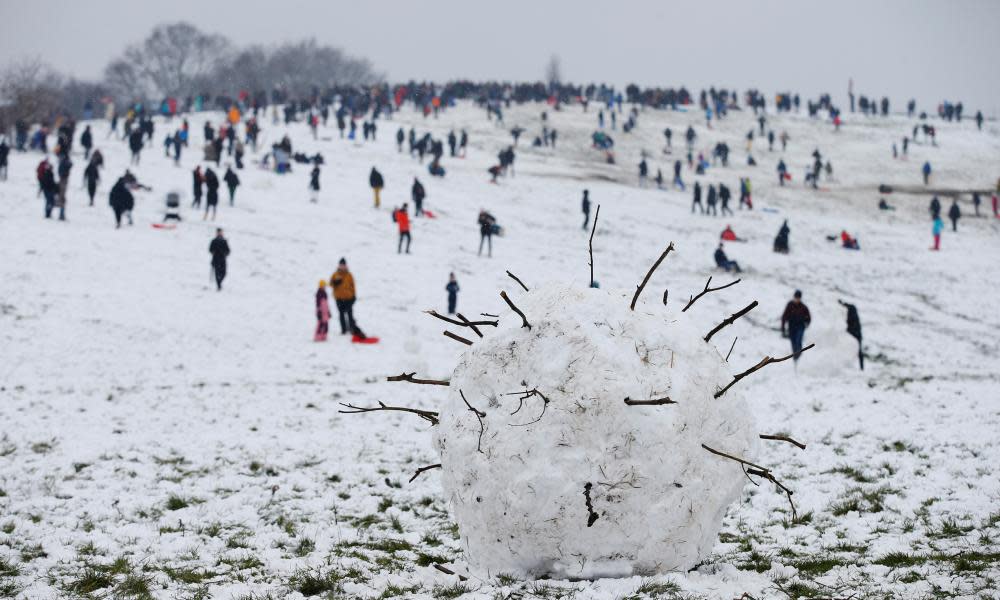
<point x="343" y="261"/>
<point x="322" y="283"/>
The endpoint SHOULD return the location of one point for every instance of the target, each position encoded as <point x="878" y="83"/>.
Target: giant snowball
<point x="572" y="481"/>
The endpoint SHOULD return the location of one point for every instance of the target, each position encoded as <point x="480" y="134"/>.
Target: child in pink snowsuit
<point x="322" y="313"/>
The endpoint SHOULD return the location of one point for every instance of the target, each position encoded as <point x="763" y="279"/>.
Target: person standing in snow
<point x="926" y="170"/>
<point x="643" y="172"/>
<point x="135" y="145"/>
<point x="678" y="182"/>
<point x="696" y="201"/>
<point x="376" y="182"/>
<point x="486" y="224"/>
<point x="198" y="181"/>
<point x="50" y="189"/>
<point x="954" y="213"/>
<point x="417" y="193"/>
<point x="219" y="249"/>
<point x="402" y="219"/>
<point x="4" y="152"/>
<point x="342" y="283"/>
<point x="724" y="196"/>
<point x="794" y="321"/>
<point x="65" y="164"/>
<point x="452" y="289"/>
<point x="232" y="182"/>
<point x="212" y="194"/>
<point x="854" y="328"/>
<point x="314" y="184"/>
<point x="782" y="170"/>
<point x="463" y="142"/>
<point x="87" y="141"/>
<point x="586" y="209"/>
<point x="936" y="230"/>
<point x="935" y="207"/>
<point x="400" y="136"/>
<point x="711" y="201"/>
<point x="91" y="175"/>
<point x="322" y="313"/>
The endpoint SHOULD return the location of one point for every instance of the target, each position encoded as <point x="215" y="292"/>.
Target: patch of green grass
<point x="315" y="582"/>
<point x="819" y="565"/>
<point x="756" y="562"/>
<point x="649" y="587"/>
<point x="950" y="527"/>
<point x="304" y="547"/>
<point x="364" y="522"/>
<point x="389" y="545"/>
<point x="851" y="473"/>
<point x="426" y="560"/>
<point x="90" y="581"/>
<point x="392" y="591"/>
<point x="30" y="553"/>
<point x="8" y="527"/>
<point x="242" y="562"/>
<point x="384" y="504"/>
<point x="175" y="502"/>
<point x="8" y="569"/>
<point x="134" y="586"/>
<point x="446" y="592"/>
<point x="506" y="579"/>
<point x="185" y="575"/>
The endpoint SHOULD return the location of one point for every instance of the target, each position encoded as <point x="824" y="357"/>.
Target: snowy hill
<point x="160" y="436"/>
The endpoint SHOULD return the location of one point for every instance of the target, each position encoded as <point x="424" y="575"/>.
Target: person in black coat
<point x="585" y="205"/>
<point x="121" y="199"/>
<point x="232" y="182"/>
<point x="452" y="289"/>
<point x="199" y="179"/>
<point x="314" y="184"/>
<point x="91" y="175"/>
<point x="954" y="213"/>
<point x="219" y="249"/>
<point x="135" y="145"/>
<point x="377" y="182"/>
<point x="697" y="198"/>
<point x="4" y="151"/>
<point x="212" y="194"/>
<point x="87" y="141"/>
<point x="854" y="328"/>
<point x="50" y="189"/>
<point x="418" y="193"/>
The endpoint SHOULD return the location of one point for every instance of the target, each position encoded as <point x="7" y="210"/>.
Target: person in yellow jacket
<point x="342" y="283"/>
<point x="234" y="115"/>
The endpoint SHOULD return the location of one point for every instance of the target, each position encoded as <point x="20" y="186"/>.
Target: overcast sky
<point x="926" y="49"/>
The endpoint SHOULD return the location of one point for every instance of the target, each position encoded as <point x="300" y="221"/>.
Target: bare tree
<point x="30" y="91"/>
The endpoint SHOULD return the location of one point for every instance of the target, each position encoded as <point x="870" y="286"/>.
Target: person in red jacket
<point x="728" y="235"/>
<point x="794" y="321"/>
<point x="402" y="219"/>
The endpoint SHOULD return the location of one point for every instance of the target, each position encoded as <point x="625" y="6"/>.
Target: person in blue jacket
<point x="452" y="289"/>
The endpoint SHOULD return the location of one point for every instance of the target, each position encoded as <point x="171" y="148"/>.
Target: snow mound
<point x="571" y="481"/>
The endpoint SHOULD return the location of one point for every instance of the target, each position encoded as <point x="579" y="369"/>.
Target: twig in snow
<point x="448" y="571"/>
<point x="524" y="396"/>
<point x="706" y="291"/>
<point x="479" y="415"/>
<point x="460" y="323"/>
<point x="650" y="402"/>
<point x="489" y="315"/>
<point x="427" y="415"/>
<point x="591" y="515"/>
<point x="759" y="471"/>
<point x="458" y="338"/>
<point x="763" y="363"/>
<point x="592" y="231"/>
<point x="423" y="470"/>
<point x="524" y="320"/>
<point x="731" y="348"/>
<point x="649" y="274"/>
<point x="470" y="324"/>
<point x="409" y="378"/>
<point x="665" y="294"/>
<point x="783" y="438"/>
<point x="730" y="320"/>
<point x="521" y="283"/>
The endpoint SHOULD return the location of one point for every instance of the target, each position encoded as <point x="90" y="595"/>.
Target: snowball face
<point x="591" y="487"/>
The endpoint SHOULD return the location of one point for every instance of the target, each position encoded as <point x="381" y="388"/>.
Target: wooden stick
<point x="423" y="470"/>
<point x="730" y="320"/>
<point x="521" y="283"/>
<point x="759" y="471"/>
<point x="469" y="324"/>
<point x="460" y="323"/>
<point x="458" y="338"/>
<point x="763" y="363"/>
<point x="592" y="232"/>
<point x="524" y="320"/>
<point x="409" y="378"/>
<point x="651" y="402"/>
<point x="649" y="274"/>
<point x="782" y="438"/>
<point x="427" y="415"/>
<point x="706" y="291"/>
<point x="731" y="347"/>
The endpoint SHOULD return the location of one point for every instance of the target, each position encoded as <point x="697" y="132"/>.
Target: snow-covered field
<point x="161" y="439"/>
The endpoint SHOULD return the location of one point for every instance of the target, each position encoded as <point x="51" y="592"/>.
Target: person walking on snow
<point x="936" y="230"/>
<point x="486" y="224"/>
<point x="65" y="164"/>
<point x="91" y="175"/>
<point x="926" y="170"/>
<point x="935" y="207"/>
<point x="452" y="289"/>
<point x="697" y="198"/>
<point x="402" y="219"/>
<point x="794" y="321"/>
<point x="854" y="328"/>
<point x="219" y="249"/>
<point x="212" y="195"/>
<point x="314" y="184"/>
<point x="198" y="181"/>
<point x="417" y="194"/>
<point x="342" y="283"/>
<point x="954" y="213"/>
<point x="232" y="182"/>
<point x="322" y="313"/>
<point x="376" y="182"/>
<point x="50" y="189"/>
<point x="586" y="209"/>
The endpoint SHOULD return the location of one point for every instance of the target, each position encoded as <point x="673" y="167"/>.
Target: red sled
<point x="788" y="176"/>
<point x="357" y="339"/>
<point x="429" y="214"/>
<point x="164" y="226"/>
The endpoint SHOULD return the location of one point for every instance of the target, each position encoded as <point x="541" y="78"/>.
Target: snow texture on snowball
<point x="659" y="497"/>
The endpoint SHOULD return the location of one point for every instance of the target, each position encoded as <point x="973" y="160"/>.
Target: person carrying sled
<point x="794" y="322"/>
<point x="219" y="249"/>
<point x="322" y="313"/>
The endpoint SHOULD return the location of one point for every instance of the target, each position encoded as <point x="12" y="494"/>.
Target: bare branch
<point x="489" y="315"/>
<point x="782" y="438"/>
<point x="731" y="348"/>
<point x="763" y="363"/>
<point x="730" y="320"/>
<point x="591" y="515"/>
<point x="758" y="471"/>
<point x="521" y="283"/>
<point x="706" y="291"/>
<point x="458" y="338"/>
<point x="469" y="324"/>
<point x="592" y="231"/>
<point x="524" y="396"/>
<point x="650" y="402"/>
<point x="448" y="571"/>
<point x="479" y="415"/>
<point x="460" y="323"/>
<point x="649" y="274"/>
<point x="409" y="378"/>
<point x="524" y="320"/>
<point x="423" y="470"/>
<point x="427" y="415"/>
